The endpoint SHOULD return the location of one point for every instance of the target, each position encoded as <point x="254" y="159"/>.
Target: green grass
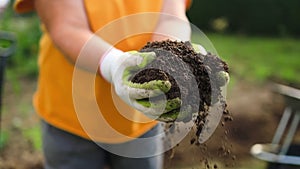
<point x="4" y="136"/>
<point x="34" y="135"/>
<point x="259" y="58"/>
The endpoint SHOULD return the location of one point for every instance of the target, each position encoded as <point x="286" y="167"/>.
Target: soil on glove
<point x="194" y="79"/>
<point x="193" y="76"/>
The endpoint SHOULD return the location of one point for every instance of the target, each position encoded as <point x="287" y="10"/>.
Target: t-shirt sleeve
<point x="23" y="6"/>
<point x="188" y="4"/>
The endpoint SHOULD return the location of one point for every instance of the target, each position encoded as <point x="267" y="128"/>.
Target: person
<point x="74" y="30"/>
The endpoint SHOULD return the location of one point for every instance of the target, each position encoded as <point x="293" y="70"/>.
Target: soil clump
<point x="194" y="77"/>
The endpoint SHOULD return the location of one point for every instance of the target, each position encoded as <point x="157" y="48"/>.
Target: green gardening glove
<point x="117" y="67"/>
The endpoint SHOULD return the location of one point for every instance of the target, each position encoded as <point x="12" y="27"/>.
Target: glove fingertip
<point x="223" y="78"/>
<point x="162" y="85"/>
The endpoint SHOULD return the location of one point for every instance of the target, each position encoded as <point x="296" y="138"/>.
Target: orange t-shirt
<point x="82" y="102"/>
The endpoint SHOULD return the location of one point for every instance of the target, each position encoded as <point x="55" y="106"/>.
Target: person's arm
<point x="68" y="26"/>
<point x="173" y="22"/>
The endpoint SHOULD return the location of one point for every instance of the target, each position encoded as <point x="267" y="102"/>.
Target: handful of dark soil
<point x="194" y="77"/>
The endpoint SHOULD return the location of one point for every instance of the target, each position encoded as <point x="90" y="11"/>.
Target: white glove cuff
<point x="107" y="60"/>
<point x="199" y="49"/>
<point x="202" y="50"/>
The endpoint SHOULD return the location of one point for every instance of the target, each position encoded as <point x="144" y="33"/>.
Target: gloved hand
<point x="117" y="67"/>
<point x="222" y="75"/>
<point x="185" y="114"/>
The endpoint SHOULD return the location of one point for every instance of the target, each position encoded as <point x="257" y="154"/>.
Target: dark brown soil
<point x="193" y="76"/>
<point x="194" y="79"/>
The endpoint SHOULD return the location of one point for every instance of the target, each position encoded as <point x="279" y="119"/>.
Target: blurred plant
<point x="27" y="30"/>
<point x="33" y="134"/>
<point x="4" y="137"/>
<point x="220" y="24"/>
<point x="260" y="58"/>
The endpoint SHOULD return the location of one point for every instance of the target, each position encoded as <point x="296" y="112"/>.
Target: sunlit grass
<point x="260" y="58"/>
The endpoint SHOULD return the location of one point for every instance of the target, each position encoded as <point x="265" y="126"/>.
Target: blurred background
<point x="260" y="41"/>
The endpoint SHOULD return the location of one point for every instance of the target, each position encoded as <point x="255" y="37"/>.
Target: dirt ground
<point x="17" y="116"/>
<point x="256" y="111"/>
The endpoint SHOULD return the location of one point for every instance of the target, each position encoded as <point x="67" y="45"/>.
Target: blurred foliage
<point x="260" y="58"/>
<point x="27" y="31"/>
<point x="33" y="134"/>
<point x="264" y="17"/>
<point x="4" y="137"/>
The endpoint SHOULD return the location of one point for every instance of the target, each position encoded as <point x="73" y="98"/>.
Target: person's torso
<point x="98" y="114"/>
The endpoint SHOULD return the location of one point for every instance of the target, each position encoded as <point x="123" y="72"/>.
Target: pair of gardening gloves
<point x="117" y="67"/>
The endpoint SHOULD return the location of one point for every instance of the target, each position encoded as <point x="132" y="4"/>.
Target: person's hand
<point x="185" y="114"/>
<point x="223" y="77"/>
<point x="117" y="67"/>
